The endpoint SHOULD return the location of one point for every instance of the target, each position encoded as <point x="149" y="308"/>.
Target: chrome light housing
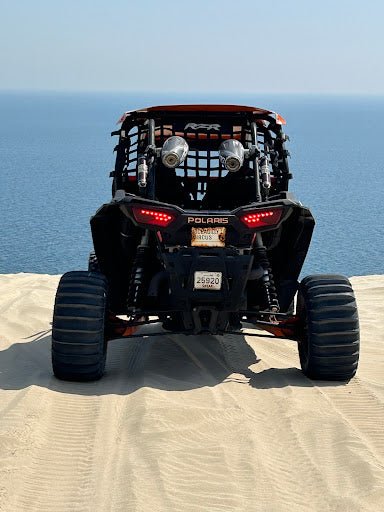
<point x="174" y="151"/>
<point x="231" y="154"/>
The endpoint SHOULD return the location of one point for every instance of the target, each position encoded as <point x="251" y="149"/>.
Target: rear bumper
<point x="207" y="310"/>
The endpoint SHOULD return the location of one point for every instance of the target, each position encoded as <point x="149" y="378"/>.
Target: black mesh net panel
<point x="202" y="164"/>
<point x="133" y="142"/>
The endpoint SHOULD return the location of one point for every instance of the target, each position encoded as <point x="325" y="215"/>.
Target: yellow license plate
<point x="208" y="237"/>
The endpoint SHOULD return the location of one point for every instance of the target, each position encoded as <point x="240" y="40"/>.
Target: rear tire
<point x="329" y="339"/>
<point x="79" y="344"/>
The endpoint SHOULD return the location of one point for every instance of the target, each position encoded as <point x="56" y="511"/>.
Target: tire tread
<point x="330" y="348"/>
<point x="78" y="327"/>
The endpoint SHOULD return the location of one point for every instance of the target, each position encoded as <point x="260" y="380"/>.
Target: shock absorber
<point x="142" y="172"/>
<point x="267" y="278"/>
<point x="138" y="278"/>
<point x="265" y="175"/>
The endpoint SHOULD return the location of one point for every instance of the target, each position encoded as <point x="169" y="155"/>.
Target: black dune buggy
<point x="201" y="234"/>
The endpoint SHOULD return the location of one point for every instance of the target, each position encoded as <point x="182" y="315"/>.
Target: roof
<point x="204" y="108"/>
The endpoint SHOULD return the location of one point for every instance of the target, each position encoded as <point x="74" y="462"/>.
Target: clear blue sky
<point x="222" y="46"/>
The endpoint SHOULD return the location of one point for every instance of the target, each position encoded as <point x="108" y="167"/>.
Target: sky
<point x="276" y="46"/>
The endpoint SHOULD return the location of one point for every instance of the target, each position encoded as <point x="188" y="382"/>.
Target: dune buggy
<point x="202" y="235"/>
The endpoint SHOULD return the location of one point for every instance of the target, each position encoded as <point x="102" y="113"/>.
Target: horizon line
<point x="189" y="93"/>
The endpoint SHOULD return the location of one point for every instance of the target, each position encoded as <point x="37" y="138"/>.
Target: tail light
<point x="151" y="216"/>
<point x="262" y="218"/>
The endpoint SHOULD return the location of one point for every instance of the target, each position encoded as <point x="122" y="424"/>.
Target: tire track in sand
<point x="58" y="471"/>
<point x="339" y="427"/>
<point x="211" y="432"/>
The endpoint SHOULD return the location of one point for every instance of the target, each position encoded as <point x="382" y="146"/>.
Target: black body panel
<point x="116" y="236"/>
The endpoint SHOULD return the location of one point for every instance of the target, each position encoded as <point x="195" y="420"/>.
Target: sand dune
<point x="186" y="424"/>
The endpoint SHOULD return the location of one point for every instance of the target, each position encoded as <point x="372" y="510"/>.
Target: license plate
<point x="205" y="280"/>
<point x="208" y="237"/>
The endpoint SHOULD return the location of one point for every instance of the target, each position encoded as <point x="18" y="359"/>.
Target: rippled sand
<point x="186" y="423"/>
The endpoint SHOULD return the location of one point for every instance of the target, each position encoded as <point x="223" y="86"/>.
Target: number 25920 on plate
<point x="204" y="280"/>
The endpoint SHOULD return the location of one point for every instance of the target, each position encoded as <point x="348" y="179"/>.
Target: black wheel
<point x="78" y="329"/>
<point x="93" y="264"/>
<point x="329" y="328"/>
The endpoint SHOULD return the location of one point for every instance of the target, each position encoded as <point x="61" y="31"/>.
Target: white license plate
<point x="205" y="280"/>
<point x="208" y="237"/>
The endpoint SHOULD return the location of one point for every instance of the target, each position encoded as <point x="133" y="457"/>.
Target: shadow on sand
<point x="170" y="362"/>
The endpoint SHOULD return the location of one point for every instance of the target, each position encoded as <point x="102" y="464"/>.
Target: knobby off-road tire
<point x="93" y="264"/>
<point x="79" y="344"/>
<point x="329" y="337"/>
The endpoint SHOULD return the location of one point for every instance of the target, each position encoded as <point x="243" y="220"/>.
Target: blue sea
<point x="56" y="154"/>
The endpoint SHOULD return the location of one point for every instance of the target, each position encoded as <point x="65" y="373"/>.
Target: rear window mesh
<point x="202" y="163"/>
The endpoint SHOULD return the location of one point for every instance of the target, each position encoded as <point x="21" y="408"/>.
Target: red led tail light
<point x="151" y="216"/>
<point x="262" y="218"/>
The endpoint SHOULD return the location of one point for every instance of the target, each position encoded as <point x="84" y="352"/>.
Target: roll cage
<point x="204" y="127"/>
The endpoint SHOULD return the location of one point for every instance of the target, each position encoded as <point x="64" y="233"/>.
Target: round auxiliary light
<point x="174" y="151"/>
<point x="231" y="154"/>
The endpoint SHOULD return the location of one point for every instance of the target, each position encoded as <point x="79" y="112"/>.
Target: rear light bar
<point x="262" y="218"/>
<point x="152" y="216"/>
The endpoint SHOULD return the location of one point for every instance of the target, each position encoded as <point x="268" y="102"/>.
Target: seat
<point x="230" y="192"/>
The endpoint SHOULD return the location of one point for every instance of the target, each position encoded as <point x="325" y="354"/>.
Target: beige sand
<point x="186" y="424"/>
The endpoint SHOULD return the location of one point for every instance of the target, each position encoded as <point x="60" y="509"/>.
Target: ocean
<point x="56" y="154"/>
